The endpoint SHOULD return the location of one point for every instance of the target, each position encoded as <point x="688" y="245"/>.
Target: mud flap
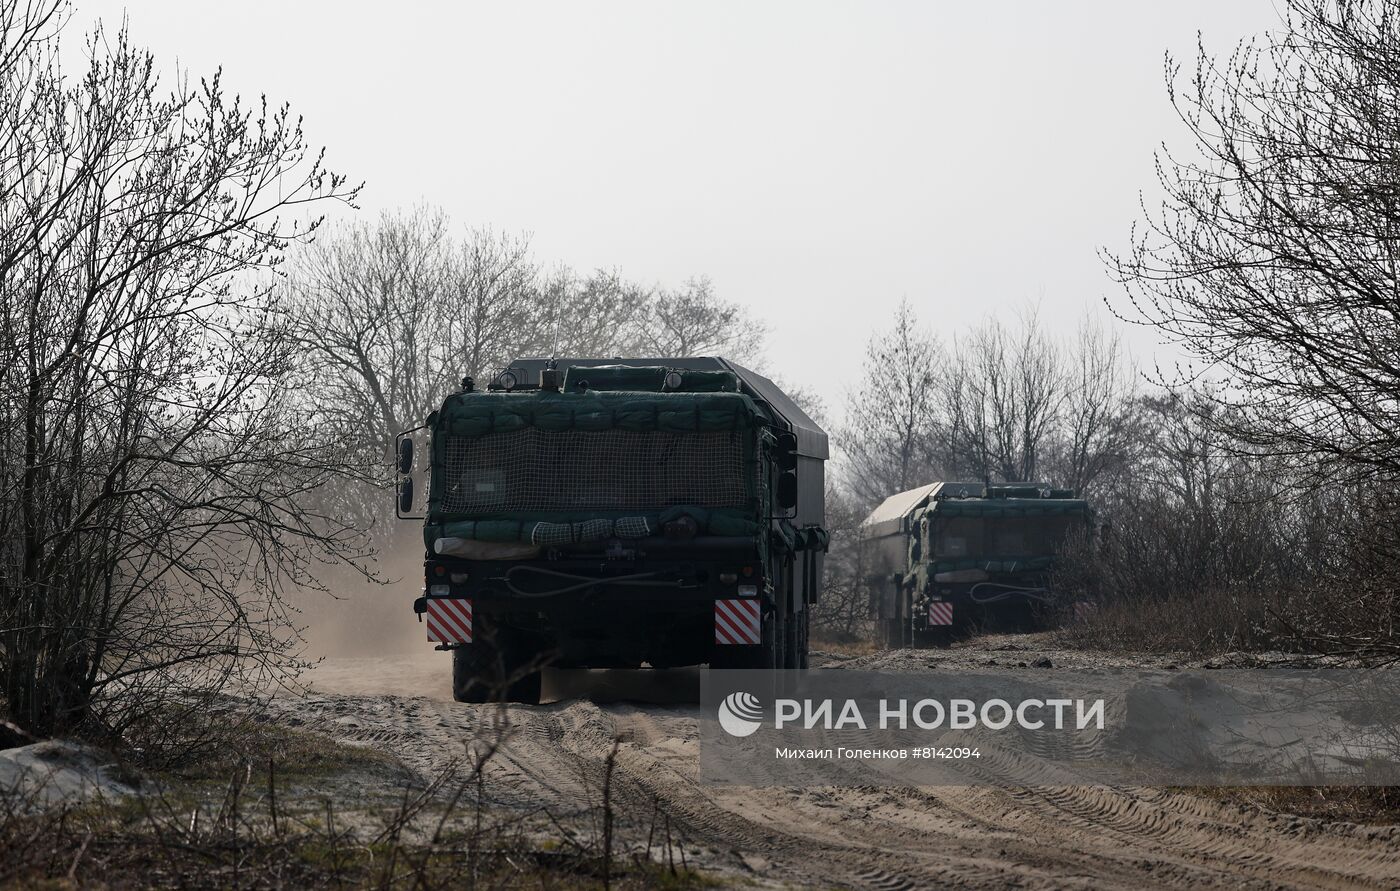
<point x="940" y="612"/>
<point x="738" y="622"/>
<point x="449" y="619"/>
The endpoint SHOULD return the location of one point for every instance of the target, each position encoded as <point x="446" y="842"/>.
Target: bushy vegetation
<point x="1249" y="501"/>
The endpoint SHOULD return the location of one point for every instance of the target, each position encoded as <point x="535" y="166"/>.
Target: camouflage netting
<point x="477" y="414"/>
<point x="551" y="468"/>
<point x="554" y="530"/>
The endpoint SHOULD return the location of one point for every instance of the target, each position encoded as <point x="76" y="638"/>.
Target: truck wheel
<point x="800" y="639"/>
<point x="472" y="667"/>
<point x="795" y="641"/>
<point x="526" y="688"/>
<point x="937" y="636"/>
<point x="779" y="636"/>
<point x="892" y="633"/>
<point x="485" y="672"/>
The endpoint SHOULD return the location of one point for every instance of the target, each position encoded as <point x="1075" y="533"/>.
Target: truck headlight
<point x="439" y="590"/>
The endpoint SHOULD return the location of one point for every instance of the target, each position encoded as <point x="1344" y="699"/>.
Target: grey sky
<point x="818" y="160"/>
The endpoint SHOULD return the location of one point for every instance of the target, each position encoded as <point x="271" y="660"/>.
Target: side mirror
<point x="405" y="455"/>
<point x="785" y="451"/>
<point x="406" y="495"/>
<point x="787" y="490"/>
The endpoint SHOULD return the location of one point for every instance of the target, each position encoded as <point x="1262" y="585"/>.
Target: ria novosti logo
<point x="740" y="714"/>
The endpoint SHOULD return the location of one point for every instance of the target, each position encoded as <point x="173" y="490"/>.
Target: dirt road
<point x="864" y="837"/>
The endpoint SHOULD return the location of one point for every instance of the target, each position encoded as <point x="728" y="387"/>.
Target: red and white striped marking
<point x="940" y="612"/>
<point x="738" y="622"/>
<point x="449" y="619"/>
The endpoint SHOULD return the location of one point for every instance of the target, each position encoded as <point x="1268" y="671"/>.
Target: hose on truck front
<point x="582" y="581"/>
<point x="1041" y="594"/>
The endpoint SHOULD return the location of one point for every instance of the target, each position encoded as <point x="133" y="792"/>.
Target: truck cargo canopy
<point x="888" y="517"/>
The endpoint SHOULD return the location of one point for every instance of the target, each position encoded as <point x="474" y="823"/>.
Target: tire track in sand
<point x="889" y="838"/>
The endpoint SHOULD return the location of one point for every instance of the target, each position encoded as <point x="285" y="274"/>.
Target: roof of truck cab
<point x="811" y="438"/>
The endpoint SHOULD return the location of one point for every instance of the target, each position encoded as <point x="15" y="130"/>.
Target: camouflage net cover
<point x="562" y="470"/>
<point x="589" y="530"/>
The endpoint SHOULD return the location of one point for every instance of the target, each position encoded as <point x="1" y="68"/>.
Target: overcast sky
<point x="818" y="161"/>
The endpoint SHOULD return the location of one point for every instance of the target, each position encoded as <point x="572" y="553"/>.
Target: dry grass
<point x="280" y="808"/>
<point x="1203" y="625"/>
<point x="1199" y="624"/>
<point x="848" y="646"/>
<point x="1372" y="805"/>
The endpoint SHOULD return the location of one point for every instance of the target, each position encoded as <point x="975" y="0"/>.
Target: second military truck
<point x="960" y="554"/>
<point x="607" y="513"/>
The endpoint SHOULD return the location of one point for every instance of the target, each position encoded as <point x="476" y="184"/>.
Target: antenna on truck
<point x="549" y="377"/>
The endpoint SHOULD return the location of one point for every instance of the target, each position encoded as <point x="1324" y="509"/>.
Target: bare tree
<point x="1273" y="257"/>
<point x="694" y="321"/>
<point x="1100" y="434"/>
<point x="391" y="315"/>
<point x="367" y="306"/>
<point x="490" y="307"/>
<point x="843" y="613"/>
<point x="1272" y="263"/>
<point x="1003" y="398"/>
<point x="892" y="431"/>
<point x="153" y="465"/>
<point x="594" y="315"/>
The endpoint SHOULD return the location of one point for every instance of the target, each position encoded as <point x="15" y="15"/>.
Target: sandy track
<point x="978" y="837"/>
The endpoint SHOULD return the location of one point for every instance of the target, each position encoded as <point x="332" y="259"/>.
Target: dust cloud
<point x="367" y="641"/>
<point x="364" y="634"/>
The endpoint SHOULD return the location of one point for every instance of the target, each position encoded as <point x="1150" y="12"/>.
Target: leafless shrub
<point x="1006" y="402"/>
<point x="1271" y="262"/>
<point x="1211" y="549"/>
<point x="154" y="468"/>
<point x="248" y="820"/>
<point x="842" y="615"/>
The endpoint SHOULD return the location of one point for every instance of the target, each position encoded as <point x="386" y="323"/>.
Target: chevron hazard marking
<point x="940" y="613"/>
<point x="449" y="619"/>
<point x="738" y="622"/>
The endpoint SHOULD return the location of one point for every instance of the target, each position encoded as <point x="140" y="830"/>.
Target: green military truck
<point x="610" y="513"/>
<point x="950" y="555"/>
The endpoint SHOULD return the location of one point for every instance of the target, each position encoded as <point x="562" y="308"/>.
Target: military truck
<point x="949" y="555"/>
<point x="610" y="513"/>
